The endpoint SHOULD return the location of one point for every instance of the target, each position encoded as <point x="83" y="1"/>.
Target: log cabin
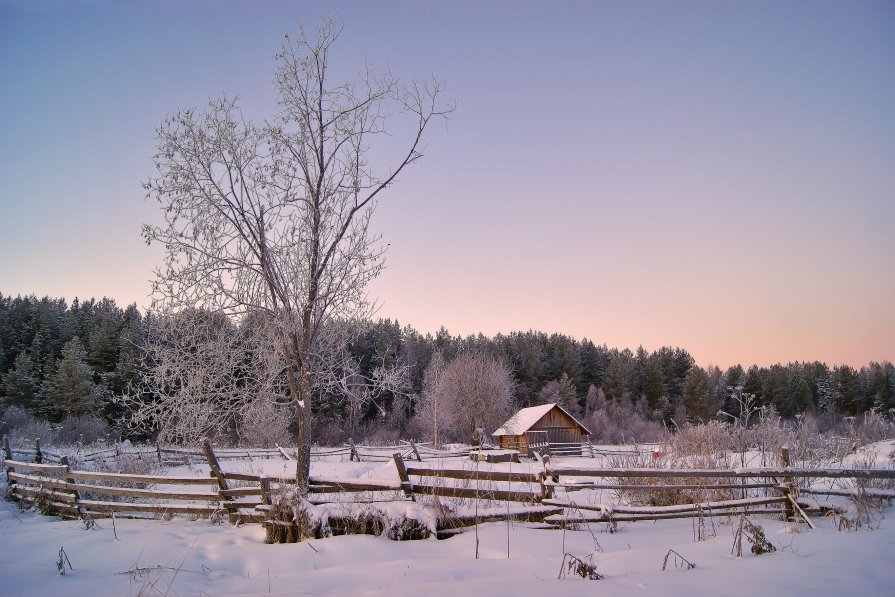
<point x="536" y="426"/>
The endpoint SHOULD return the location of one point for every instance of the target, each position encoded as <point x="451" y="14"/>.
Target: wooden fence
<point x="179" y="456"/>
<point x="551" y="494"/>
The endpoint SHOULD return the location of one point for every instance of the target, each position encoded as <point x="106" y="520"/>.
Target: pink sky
<point x="714" y="176"/>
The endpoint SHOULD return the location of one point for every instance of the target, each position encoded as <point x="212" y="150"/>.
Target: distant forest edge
<point x="63" y="368"/>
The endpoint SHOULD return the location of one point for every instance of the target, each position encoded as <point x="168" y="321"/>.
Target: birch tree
<point x="275" y="217"/>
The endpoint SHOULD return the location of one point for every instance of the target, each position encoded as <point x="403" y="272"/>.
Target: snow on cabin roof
<point x="523" y="420"/>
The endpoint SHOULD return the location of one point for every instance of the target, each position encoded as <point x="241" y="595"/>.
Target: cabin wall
<point x="514" y="442"/>
<point x="560" y="428"/>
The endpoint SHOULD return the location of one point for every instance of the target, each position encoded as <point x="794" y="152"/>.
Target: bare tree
<point x="472" y="391"/>
<point x="203" y="375"/>
<point x="275" y="218"/>
<point x="429" y="404"/>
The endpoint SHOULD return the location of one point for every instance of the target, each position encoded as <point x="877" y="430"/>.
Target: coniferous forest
<point x="64" y="368"/>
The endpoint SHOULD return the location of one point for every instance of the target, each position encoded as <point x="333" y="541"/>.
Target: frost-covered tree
<point x="70" y="390"/>
<point x="470" y="392"/>
<point x="199" y="374"/>
<point x="697" y="394"/>
<point x="430" y="409"/>
<point x="826" y="394"/>
<point x="275" y="217"/>
<point x="20" y="385"/>
<point x="560" y="391"/>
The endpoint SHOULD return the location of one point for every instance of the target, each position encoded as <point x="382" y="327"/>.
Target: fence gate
<point x="537" y="442"/>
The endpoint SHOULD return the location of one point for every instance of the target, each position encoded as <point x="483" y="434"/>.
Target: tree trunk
<point x="303" y="457"/>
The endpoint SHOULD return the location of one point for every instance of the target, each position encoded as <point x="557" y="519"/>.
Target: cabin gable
<point x="539" y="425"/>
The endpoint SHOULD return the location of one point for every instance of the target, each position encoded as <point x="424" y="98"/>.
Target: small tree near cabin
<point x="474" y="390"/>
<point x="275" y="218"/>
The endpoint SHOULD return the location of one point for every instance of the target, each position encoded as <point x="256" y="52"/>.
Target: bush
<point x="23" y="428"/>
<point x="622" y="421"/>
<point x="706" y="444"/>
<point x="82" y="430"/>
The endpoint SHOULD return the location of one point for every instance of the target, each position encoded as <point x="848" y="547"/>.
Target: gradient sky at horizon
<point x="718" y="176"/>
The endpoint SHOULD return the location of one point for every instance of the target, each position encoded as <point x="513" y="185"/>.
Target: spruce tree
<point x="70" y="390"/>
<point x="20" y="385"/>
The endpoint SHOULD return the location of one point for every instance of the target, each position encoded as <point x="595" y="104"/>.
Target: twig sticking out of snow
<point x="755" y="534"/>
<point x="679" y="561"/>
<point x="63" y="560"/>
<point x="574" y="564"/>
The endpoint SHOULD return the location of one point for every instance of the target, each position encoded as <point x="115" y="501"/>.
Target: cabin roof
<point x="526" y="418"/>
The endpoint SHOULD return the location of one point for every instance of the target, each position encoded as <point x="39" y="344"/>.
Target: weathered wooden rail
<point x="178" y="456"/>
<point x="552" y="495"/>
<point x="782" y="494"/>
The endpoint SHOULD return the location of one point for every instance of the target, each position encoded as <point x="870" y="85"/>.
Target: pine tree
<point x="562" y="392"/>
<point x="697" y="393"/>
<point x="614" y="379"/>
<point x="70" y="390"/>
<point x="652" y="382"/>
<point x="845" y="384"/>
<point x="826" y="394"/>
<point x="104" y="329"/>
<point x="20" y="385"/>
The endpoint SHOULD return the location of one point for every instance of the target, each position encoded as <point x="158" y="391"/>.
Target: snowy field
<point x="185" y="557"/>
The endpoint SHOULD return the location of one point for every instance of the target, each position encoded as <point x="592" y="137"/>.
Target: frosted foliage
<point x="205" y="374"/>
<point x="274" y="218"/>
<point x="265" y="425"/>
<point x="471" y="391"/>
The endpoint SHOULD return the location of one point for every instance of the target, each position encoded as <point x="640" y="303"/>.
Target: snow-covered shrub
<point x="769" y="435"/>
<point x="81" y="430"/>
<point x="621" y="421"/>
<point x="399" y="521"/>
<point x="23" y="428"/>
<point x="701" y="446"/>
<point x="293" y="519"/>
<point x="873" y="427"/>
<point x="662" y="490"/>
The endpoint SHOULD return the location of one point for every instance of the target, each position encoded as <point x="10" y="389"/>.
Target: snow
<point x="196" y="557"/>
<point x="192" y="557"/>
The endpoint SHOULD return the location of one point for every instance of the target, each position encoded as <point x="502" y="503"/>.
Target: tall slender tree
<point x="275" y="218"/>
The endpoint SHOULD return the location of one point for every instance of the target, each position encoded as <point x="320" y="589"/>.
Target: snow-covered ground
<point x="183" y="557"/>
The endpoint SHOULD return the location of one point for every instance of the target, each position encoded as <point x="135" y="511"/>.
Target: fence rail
<point x="59" y="488"/>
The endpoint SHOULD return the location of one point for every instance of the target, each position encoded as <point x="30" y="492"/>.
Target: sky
<point x="718" y="176"/>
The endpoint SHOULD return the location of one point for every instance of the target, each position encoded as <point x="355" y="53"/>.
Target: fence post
<point x="38" y="456"/>
<point x="406" y="485"/>
<point x="158" y="453"/>
<point x="265" y="490"/>
<point x="218" y="474"/>
<point x="787" y="482"/>
<point x="547" y="491"/>
<point x="69" y="480"/>
<point x="7" y="454"/>
<point x="354" y="452"/>
<point x="415" y="451"/>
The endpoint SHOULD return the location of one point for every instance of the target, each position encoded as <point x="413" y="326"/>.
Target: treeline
<point x="666" y="382"/>
<point x="60" y="361"/>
